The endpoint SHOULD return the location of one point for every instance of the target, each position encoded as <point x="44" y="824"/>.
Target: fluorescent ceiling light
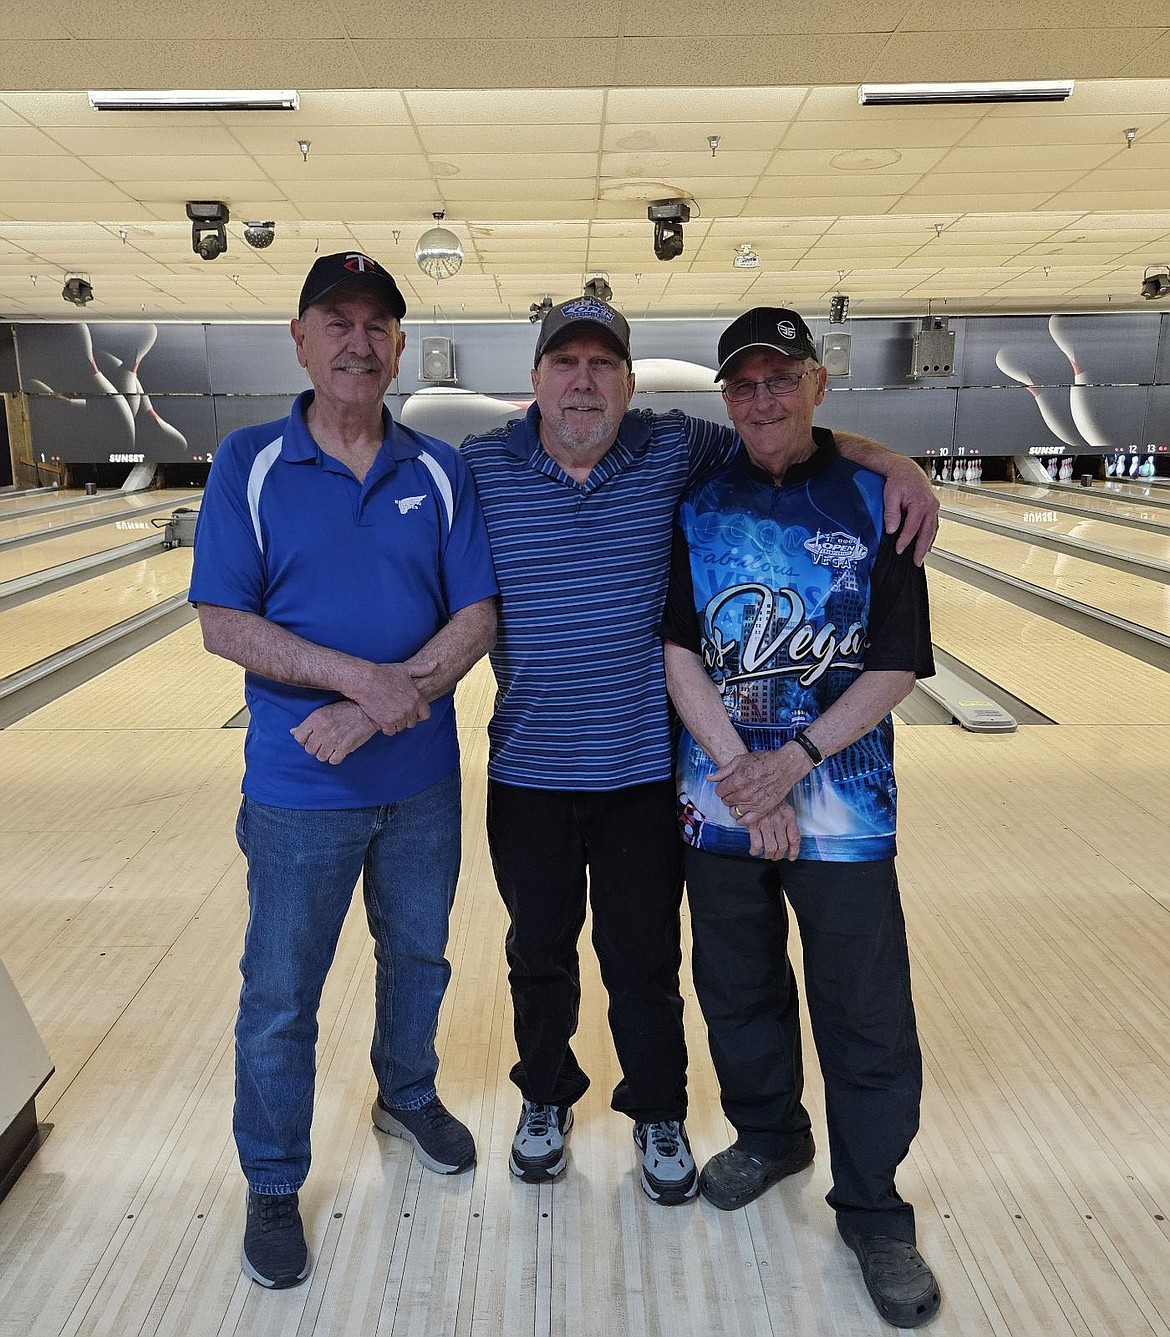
<point x="194" y="99"/>
<point x="1025" y="90"/>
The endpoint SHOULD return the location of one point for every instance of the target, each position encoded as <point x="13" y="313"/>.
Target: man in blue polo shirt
<point x="579" y="498"/>
<point x="342" y="560"/>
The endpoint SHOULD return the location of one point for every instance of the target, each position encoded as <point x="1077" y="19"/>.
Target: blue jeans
<point x="303" y="866"/>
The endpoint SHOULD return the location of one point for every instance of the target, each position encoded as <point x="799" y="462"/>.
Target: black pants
<point x="545" y="844"/>
<point x="857" y="977"/>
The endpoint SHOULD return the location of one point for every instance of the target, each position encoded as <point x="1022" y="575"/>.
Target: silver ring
<point x="736" y="810"/>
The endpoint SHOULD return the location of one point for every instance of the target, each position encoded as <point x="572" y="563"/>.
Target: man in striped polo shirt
<point x="579" y="498"/>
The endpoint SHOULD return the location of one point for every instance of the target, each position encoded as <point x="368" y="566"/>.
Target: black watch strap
<point x="803" y="741"/>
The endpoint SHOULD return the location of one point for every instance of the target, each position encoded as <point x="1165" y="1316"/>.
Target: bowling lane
<point x="22" y="526"/>
<point x="172" y="684"/>
<point x="35" y="630"/>
<point x="10" y="502"/>
<point x="33" y="557"/>
<point x="1135" y="598"/>
<point x="1066" y="676"/>
<point x="1095" y="499"/>
<point x="1119" y="538"/>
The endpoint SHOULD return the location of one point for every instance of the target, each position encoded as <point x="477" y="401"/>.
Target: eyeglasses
<point x="739" y="392"/>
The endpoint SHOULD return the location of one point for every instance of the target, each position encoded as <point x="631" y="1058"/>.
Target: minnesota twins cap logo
<point x="361" y="264"/>
<point x="589" y="308"/>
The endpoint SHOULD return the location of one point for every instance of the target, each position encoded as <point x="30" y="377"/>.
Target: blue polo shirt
<point x="373" y="568"/>
<point x="583" y="570"/>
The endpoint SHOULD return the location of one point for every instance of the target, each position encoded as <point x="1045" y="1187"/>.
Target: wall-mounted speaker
<point x="933" y="352"/>
<point x="835" y="352"/>
<point x="436" y="360"/>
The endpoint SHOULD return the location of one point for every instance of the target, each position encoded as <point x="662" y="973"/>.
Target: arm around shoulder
<point x="908" y="500"/>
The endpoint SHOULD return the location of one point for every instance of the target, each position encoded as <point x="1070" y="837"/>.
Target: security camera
<point x="209" y="219"/>
<point x="668" y="217"/>
<point x="259" y="235"/>
<point x="77" y="290"/>
<point x="838" y="309"/>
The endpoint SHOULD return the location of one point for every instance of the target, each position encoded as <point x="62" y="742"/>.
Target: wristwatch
<point x="803" y="741"/>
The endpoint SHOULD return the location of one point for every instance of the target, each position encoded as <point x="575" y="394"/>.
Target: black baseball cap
<point x="350" y="269"/>
<point x="773" y="327"/>
<point x="582" y="315"/>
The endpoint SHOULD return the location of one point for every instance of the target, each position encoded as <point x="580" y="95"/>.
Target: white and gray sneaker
<point x="538" y="1149"/>
<point x="668" y="1168"/>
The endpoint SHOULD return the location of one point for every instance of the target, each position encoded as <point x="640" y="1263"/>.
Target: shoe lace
<point x="540" y="1119"/>
<point x="435" y="1115"/>
<point x="275" y="1212"/>
<point x="665" y="1139"/>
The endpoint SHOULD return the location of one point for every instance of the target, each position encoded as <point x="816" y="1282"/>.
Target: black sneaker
<point x="899" y="1281"/>
<point x="274" y="1253"/>
<point x="736" y="1177"/>
<point x="441" y="1142"/>
<point x="538" y="1149"/>
<point x="668" y="1168"/>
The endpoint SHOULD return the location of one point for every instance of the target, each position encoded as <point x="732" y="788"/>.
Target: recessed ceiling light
<point x="1021" y="90"/>
<point x="194" y="99"/>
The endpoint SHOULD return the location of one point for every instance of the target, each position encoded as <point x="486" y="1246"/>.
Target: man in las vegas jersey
<point x="792" y="628"/>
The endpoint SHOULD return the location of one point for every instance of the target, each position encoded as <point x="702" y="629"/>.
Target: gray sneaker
<point x="441" y="1142"/>
<point x="538" y="1149"/>
<point x="668" y="1168"/>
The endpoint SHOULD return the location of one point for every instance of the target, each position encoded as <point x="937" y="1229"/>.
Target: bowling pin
<point x="1147" y="467"/>
<point x="1119" y="471"/>
<point x="1133" y="467"/>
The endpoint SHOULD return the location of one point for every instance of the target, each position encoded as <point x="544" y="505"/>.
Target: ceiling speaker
<point x="437" y="360"/>
<point x="835" y="352"/>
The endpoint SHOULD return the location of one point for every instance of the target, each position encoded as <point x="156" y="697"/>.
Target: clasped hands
<point x="754" y="787"/>
<point x="388" y="702"/>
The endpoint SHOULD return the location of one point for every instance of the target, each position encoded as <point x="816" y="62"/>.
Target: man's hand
<point x="387" y="693"/>
<point x="776" y="836"/>
<point x="910" y="505"/>
<point x="332" y="732"/>
<point x="754" y="784"/>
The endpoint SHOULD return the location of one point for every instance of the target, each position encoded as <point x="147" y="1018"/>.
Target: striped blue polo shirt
<point x="583" y="570"/>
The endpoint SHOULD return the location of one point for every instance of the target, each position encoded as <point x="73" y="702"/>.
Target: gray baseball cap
<point x="582" y="315"/>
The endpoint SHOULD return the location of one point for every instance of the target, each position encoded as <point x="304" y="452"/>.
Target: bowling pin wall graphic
<point x="1060" y="328"/>
<point x="117" y="389"/>
<point x="1050" y="399"/>
<point x="1067" y="411"/>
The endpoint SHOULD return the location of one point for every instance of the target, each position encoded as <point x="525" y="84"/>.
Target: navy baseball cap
<point x="350" y="269"/>
<point x="773" y="327"/>
<point x="582" y="315"/>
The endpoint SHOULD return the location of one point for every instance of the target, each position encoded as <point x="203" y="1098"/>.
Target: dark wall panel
<point x="253" y="360"/>
<point x="87" y="383"/>
<point x="113" y="429"/>
<point x="1003" y="421"/>
<point x="113" y="358"/>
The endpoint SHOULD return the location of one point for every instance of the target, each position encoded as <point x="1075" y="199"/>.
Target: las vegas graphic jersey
<point x="787" y="593"/>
